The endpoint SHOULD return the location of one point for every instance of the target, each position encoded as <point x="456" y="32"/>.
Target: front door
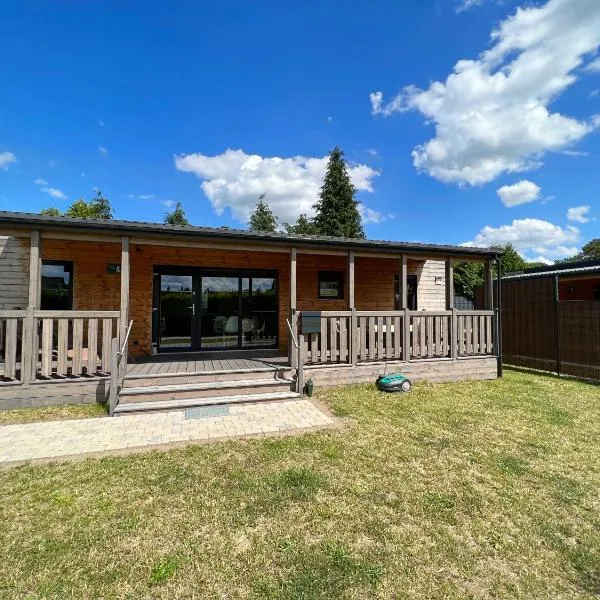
<point x="209" y="309"/>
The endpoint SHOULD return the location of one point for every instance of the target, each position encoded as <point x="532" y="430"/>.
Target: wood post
<point x="352" y="306"/>
<point x="403" y="282"/>
<point x="29" y="349"/>
<point x="300" y="371"/>
<point x="450" y="306"/>
<point x="113" y="391"/>
<point x="124" y="311"/>
<point x="488" y="286"/>
<point x="406" y="336"/>
<point x="293" y="321"/>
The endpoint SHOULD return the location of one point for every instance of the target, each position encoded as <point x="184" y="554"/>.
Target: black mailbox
<point x="310" y="321"/>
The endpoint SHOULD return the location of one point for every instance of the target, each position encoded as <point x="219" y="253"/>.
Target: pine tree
<point x="303" y="226"/>
<point x="337" y="210"/>
<point x="262" y="218"/>
<point x="176" y="217"/>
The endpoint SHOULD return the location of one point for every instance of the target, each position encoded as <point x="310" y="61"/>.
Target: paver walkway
<point x="61" y="439"/>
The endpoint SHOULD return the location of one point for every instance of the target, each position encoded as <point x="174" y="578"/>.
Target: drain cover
<point x="203" y="412"/>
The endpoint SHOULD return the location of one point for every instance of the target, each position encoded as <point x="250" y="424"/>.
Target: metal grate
<point x="203" y="412"/>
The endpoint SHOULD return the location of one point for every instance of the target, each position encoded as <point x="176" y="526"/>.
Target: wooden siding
<point x="14" y="272"/>
<point x="96" y="289"/>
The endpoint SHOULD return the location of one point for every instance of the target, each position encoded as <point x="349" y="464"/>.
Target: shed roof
<point x="36" y="221"/>
<point x="587" y="267"/>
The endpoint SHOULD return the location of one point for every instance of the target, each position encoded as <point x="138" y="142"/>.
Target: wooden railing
<point x="11" y="344"/>
<point x="352" y="337"/>
<point x="73" y="343"/>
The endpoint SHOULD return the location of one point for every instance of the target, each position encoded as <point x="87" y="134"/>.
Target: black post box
<point x="310" y="321"/>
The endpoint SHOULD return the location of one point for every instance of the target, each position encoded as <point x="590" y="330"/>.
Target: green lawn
<point x="51" y="413"/>
<point x="472" y="490"/>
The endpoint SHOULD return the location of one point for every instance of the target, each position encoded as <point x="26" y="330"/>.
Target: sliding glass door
<point x="206" y="309"/>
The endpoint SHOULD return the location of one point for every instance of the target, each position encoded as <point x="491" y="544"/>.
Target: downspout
<point x="499" y="314"/>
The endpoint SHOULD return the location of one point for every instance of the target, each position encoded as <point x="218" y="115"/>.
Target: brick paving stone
<point x="60" y="439"/>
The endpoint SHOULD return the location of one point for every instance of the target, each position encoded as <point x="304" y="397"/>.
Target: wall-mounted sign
<point x="113" y="268"/>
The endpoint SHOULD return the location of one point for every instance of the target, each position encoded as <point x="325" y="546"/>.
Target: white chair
<point x="231" y="327"/>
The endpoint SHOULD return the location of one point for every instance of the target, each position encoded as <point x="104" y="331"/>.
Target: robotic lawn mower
<point x="393" y="383"/>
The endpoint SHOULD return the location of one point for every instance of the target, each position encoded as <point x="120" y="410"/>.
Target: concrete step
<point x="206" y="389"/>
<point x="133" y="408"/>
<point x="160" y="379"/>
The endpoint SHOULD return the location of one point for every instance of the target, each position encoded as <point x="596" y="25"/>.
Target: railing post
<point x="124" y="308"/>
<point x="454" y="334"/>
<point x="300" y="368"/>
<point x="293" y="314"/>
<point x="353" y="338"/>
<point x="406" y="336"/>
<point x="113" y="393"/>
<point x="29" y="348"/>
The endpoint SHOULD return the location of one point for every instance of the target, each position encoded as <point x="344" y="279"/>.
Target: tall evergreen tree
<point x="337" y="210"/>
<point x="262" y="218"/>
<point x="176" y="217"/>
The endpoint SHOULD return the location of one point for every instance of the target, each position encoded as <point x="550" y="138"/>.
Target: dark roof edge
<point x="553" y="270"/>
<point x="135" y="227"/>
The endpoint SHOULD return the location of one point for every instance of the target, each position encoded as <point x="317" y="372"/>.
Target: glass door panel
<point x="259" y="310"/>
<point x="219" y="306"/>
<point x="176" y="311"/>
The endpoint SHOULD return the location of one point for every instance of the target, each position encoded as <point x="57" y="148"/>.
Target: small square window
<point x="57" y="285"/>
<point x="331" y="285"/>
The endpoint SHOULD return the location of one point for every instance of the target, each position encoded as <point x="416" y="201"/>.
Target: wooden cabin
<point x="156" y="316"/>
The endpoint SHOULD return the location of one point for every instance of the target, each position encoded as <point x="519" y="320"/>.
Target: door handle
<point x="193" y="307"/>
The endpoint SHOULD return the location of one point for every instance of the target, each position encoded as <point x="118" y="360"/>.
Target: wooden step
<point x="206" y="389"/>
<point x="160" y="379"/>
<point x="183" y="403"/>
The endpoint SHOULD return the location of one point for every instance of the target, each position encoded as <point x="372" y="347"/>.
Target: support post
<point x="450" y="306"/>
<point x="124" y="311"/>
<point x="300" y="370"/>
<point x="352" y="307"/>
<point x="29" y="352"/>
<point x="293" y="320"/>
<point x="557" y="324"/>
<point x="488" y="286"/>
<point x="498" y="327"/>
<point x="403" y="295"/>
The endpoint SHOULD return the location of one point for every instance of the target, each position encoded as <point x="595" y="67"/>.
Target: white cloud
<point x="372" y="151"/>
<point x="169" y="204"/>
<point x="329" y="119"/>
<point x="593" y="66"/>
<point x="531" y="237"/>
<point x="142" y="196"/>
<point x="54" y="193"/>
<point x="102" y="150"/>
<point x="40" y="181"/>
<point x="519" y="193"/>
<point x="574" y="153"/>
<point x="52" y="163"/>
<point x="7" y="159"/>
<point x="594" y="93"/>
<point x="235" y="179"/>
<point x="464" y="5"/>
<point x="492" y="114"/>
<point x="578" y="214"/>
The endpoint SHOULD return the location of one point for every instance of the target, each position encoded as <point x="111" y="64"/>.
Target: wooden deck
<point x="195" y="362"/>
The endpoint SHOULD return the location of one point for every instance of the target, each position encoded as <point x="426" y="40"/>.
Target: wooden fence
<point x="62" y="344"/>
<point x="351" y="337"/>
<point x="541" y="332"/>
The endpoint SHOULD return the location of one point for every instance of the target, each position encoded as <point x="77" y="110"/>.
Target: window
<point x="412" y="291"/>
<point x="331" y="285"/>
<point x="57" y="285"/>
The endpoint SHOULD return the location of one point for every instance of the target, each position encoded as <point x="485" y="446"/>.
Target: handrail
<point x="124" y="345"/>
<point x="300" y="366"/>
<point x="292" y="333"/>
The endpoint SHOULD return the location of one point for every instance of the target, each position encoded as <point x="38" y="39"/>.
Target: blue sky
<point x="462" y="120"/>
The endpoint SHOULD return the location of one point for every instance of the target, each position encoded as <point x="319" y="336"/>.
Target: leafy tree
<point x="262" y="218"/>
<point x="590" y="251"/>
<point x="51" y="212"/>
<point x="469" y="276"/>
<point x="302" y="226"/>
<point x="177" y="216"/>
<point x="97" y="208"/>
<point x="337" y="209"/>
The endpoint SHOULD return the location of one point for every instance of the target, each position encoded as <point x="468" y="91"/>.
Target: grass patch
<point x="51" y="413"/>
<point x="466" y="490"/>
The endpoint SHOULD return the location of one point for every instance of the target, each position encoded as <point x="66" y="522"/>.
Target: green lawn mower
<point x="395" y="382"/>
